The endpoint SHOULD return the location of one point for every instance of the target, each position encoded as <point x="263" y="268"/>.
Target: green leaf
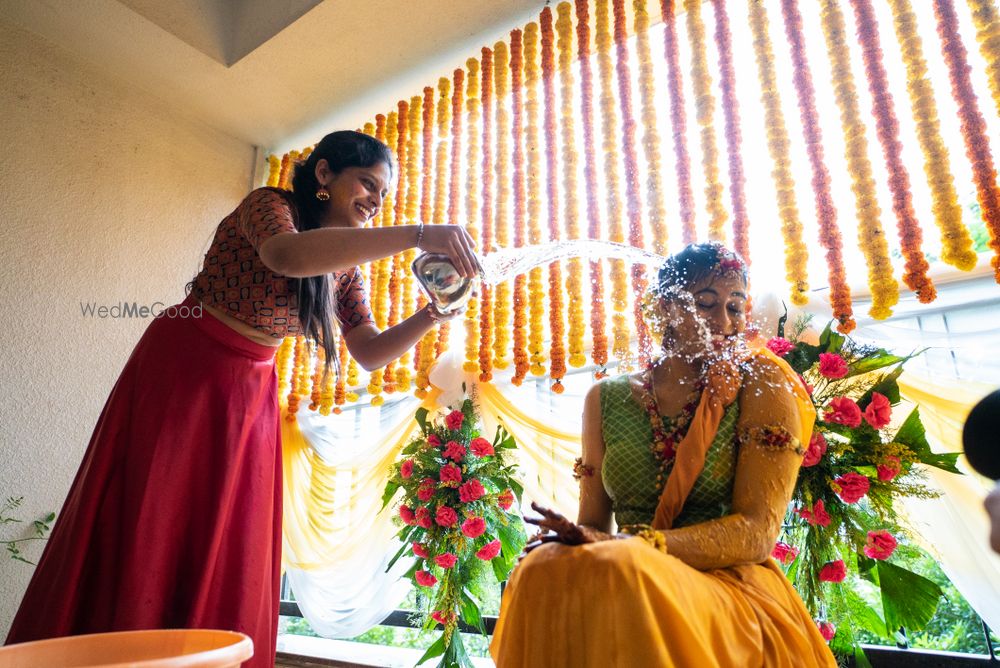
<point x="909" y="600"/>
<point x="518" y="490"/>
<point x="831" y="341"/>
<point x="860" y="660"/>
<point x="886" y="386"/>
<point x="864" y="615"/>
<point x="437" y="648"/>
<point x="913" y="435"/>
<point x="400" y="552"/>
<point x="421" y="417"/>
<point x="878" y="360"/>
<point x="782" y="320"/>
<point x="455" y="655"/>
<point x="469" y="609"/>
<point x="388" y="493"/>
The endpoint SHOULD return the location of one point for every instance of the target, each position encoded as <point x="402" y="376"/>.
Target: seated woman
<point x="696" y="457"/>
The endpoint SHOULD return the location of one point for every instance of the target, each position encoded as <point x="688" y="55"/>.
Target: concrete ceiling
<point x="274" y="73"/>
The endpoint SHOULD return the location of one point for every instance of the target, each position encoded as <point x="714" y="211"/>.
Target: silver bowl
<point x="446" y="289"/>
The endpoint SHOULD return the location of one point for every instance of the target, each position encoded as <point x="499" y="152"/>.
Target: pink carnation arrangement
<point x="457" y="515"/>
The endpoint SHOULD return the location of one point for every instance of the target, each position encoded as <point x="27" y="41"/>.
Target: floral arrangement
<point x="455" y="518"/>
<point x="860" y="460"/>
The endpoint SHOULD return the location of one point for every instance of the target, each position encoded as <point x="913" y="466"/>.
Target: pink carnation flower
<point x="454" y="420"/>
<point x="471" y="491"/>
<point x="451" y="475"/>
<point x="442" y="617"/>
<point x="815" y="451"/>
<point x="489" y="551"/>
<point x="881" y="544"/>
<point x="784" y="553"/>
<point x="832" y="365"/>
<point x="446" y="517"/>
<point x="406" y="470"/>
<point x="446" y="560"/>
<point x="833" y="571"/>
<point x="423" y="517"/>
<point x="878" y="413"/>
<point x="426" y="489"/>
<point x="425" y="578"/>
<point x="481" y="447"/>
<point x="843" y="410"/>
<point x="827" y="630"/>
<point x="474" y="527"/>
<point x="406" y="515"/>
<point x="850" y="487"/>
<point x="454" y="450"/>
<point x="420" y="550"/>
<point x="432" y="439"/>
<point x="780" y="346"/>
<point x="889" y="469"/>
<point x="817" y="516"/>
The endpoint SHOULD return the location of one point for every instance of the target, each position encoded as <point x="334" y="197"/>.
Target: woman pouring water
<point x="174" y="517"/>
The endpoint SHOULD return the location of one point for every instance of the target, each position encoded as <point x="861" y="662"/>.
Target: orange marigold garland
<point x="396" y="277"/>
<point x="283" y="359"/>
<point x="613" y="201"/>
<point x="956" y="244"/>
<point x="574" y="266"/>
<point x="986" y="18"/>
<point x="522" y="362"/>
<point x="536" y="290"/>
<point x="485" y="291"/>
<point x="299" y="367"/>
<point x="501" y="218"/>
<point x="340" y="390"/>
<point x="974" y="133"/>
<point x="598" y="322"/>
<point x="557" y="350"/>
<point x="678" y="121"/>
<point x="412" y="211"/>
<point x="871" y="238"/>
<point x="796" y="254"/>
<point x="734" y="139"/>
<point x="650" y="138"/>
<point x="473" y="167"/>
<point x="701" y="81"/>
<point x="424" y="349"/>
<point x="287" y="162"/>
<point x="826" y="212"/>
<point x="887" y="129"/>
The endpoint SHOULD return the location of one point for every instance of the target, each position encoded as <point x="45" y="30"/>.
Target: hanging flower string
<point x="385" y="131"/>
<point x="956" y="242"/>
<point x="424" y="350"/>
<point x="273" y="171"/>
<point x="826" y="211"/>
<point x="796" y="254"/>
<point x="704" y="104"/>
<point x="734" y="140"/>
<point x="396" y="280"/>
<point x="472" y="102"/>
<point x="521" y="361"/>
<point x="986" y="18"/>
<point x="442" y="183"/>
<point x="411" y="213"/>
<point x="599" y="350"/>
<point x="613" y="200"/>
<point x="574" y="266"/>
<point x="501" y="218"/>
<point x="871" y="238"/>
<point x="650" y="136"/>
<point x="295" y="383"/>
<point x="678" y="121"/>
<point x="536" y="290"/>
<point x="887" y="129"/>
<point x="486" y="292"/>
<point x="557" y="350"/>
<point x="974" y="132"/>
<point x="340" y="392"/>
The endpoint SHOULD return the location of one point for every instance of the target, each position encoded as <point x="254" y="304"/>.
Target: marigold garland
<point x="574" y="266"/>
<point x="650" y="137"/>
<point x="613" y="200"/>
<point x="557" y="350"/>
<point x="796" y="253"/>
<point x="701" y="81"/>
<point x="423" y="355"/>
<point x="473" y="160"/>
<point x="444" y="189"/>
<point x="486" y="292"/>
<point x="340" y="390"/>
<point x="299" y="364"/>
<point x="287" y="162"/>
<point x="871" y="238"/>
<point x="826" y="211"/>
<point x="986" y="18"/>
<point x="598" y="319"/>
<point x="734" y="139"/>
<point x="273" y="171"/>
<point x="522" y="363"/>
<point x="536" y="291"/>
<point x="329" y="380"/>
<point x="283" y="359"/>
<point x="411" y="212"/>
<point x="316" y="393"/>
<point x="974" y="133"/>
<point x="887" y="129"/>
<point x="501" y="218"/>
<point x="385" y="131"/>
<point x="678" y="121"/>
<point x="396" y="277"/>
<point x="956" y="242"/>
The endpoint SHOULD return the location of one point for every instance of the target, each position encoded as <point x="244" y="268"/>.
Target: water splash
<point x="505" y="263"/>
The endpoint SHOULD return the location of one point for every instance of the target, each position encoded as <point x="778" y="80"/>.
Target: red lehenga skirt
<point x="174" y="518"/>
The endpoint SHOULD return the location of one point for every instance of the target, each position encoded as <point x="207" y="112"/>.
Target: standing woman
<point x="174" y="517"/>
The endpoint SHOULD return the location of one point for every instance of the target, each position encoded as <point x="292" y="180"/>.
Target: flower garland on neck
<point x="665" y="441"/>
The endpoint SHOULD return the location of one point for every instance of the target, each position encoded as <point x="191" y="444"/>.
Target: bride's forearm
<point x="728" y="541"/>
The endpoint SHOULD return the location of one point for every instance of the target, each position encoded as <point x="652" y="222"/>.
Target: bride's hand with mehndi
<point x="562" y="530"/>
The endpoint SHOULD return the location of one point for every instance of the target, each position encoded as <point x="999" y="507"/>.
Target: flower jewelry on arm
<point x="772" y="437"/>
<point x="581" y="470"/>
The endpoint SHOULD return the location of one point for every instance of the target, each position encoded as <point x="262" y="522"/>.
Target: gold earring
<point x="322" y="195"/>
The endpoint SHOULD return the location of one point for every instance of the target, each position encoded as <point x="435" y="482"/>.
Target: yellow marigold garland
<point x="655" y="212"/>
<point x="283" y="359"/>
<point x="704" y="103"/>
<point x="796" y="253"/>
<point x="613" y="201"/>
<point x="473" y="167"/>
<point x="424" y="350"/>
<point x="442" y="183"/>
<point x="574" y="266"/>
<point x="536" y="290"/>
<point x="411" y="212"/>
<point x="396" y="277"/>
<point x="955" y="240"/>
<point x="986" y="18"/>
<point x="557" y="350"/>
<point x="340" y="389"/>
<point x="871" y="238"/>
<point x="598" y="320"/>
<point x="273" y="171"/>
<point x="385" y="131"/>
<point x="486" y="292"/>
<point x="501" y="218"/>
<point x="521" y="361"/>
<point x="296" y="383"/>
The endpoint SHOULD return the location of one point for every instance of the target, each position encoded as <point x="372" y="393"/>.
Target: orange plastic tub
<point x="185" y="648"/>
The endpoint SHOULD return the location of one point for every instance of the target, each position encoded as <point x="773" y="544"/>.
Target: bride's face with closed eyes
<point x="709" y="315"/>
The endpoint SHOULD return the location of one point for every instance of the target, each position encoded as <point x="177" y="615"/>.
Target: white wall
<point x="104" y="197"/>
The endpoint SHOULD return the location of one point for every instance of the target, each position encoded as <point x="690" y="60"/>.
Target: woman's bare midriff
<point x="246" y="330"/>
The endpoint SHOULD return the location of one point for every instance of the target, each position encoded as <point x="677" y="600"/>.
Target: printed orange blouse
<point x="234" y="279"/>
